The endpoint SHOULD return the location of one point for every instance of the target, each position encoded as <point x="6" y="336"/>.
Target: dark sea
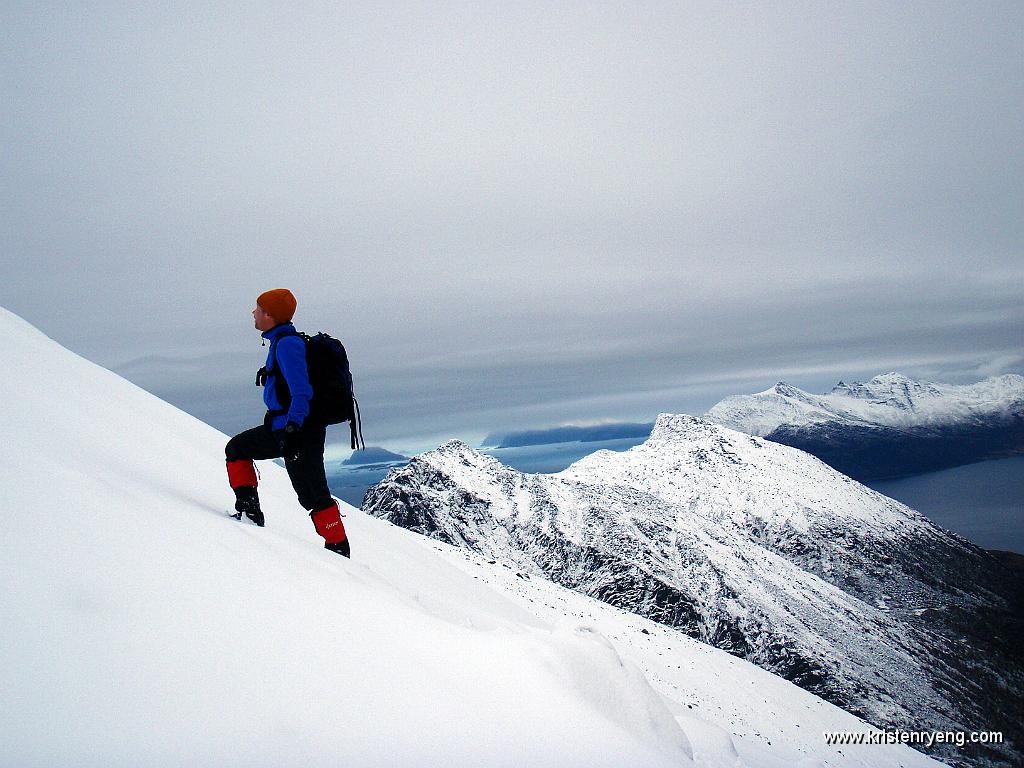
<point x="982" y="502"/>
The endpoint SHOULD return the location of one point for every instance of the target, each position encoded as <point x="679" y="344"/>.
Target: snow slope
<point x="141" y="626"/>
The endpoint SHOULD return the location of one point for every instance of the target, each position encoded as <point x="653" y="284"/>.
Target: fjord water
<point x="983" y="502"/>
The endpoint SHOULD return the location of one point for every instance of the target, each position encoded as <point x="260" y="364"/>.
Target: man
<point x="287" y="430"/>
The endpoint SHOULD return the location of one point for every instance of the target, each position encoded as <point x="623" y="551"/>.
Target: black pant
<point x="309" y="479"/>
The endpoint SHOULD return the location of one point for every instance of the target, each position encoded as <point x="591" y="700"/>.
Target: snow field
<point x="141" y="626"/>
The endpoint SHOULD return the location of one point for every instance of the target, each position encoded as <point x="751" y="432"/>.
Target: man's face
<point x="264" y="322"/>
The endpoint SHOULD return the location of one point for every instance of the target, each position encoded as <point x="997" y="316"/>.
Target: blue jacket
<point x="290" y="354"/>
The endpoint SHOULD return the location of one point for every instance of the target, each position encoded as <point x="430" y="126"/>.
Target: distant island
<point x="374" y="455"/>
<point x="568" y="434"/>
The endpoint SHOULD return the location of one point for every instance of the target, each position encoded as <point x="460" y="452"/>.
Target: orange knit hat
<point x="278" y="303"/>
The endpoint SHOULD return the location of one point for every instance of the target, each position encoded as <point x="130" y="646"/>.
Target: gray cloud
<point x="518" y="215"/>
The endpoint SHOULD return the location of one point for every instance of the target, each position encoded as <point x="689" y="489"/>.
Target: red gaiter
<point x="242" y="473"/>
<point x="328" y="524"/>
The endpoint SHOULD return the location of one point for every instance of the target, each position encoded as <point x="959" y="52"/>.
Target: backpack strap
<point x="273" y="351"/>
<point x="263" y="374"/>
<point x="352" y="425"/>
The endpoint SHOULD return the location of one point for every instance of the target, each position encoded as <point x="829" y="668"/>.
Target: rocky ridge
<point x="756" y="548"/>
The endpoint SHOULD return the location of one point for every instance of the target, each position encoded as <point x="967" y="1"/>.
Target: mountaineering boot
<point x="247" y="502"/>
<point x="341" y="548"/>
<point x="243" y="480"/>
<point x="328" y="524"/>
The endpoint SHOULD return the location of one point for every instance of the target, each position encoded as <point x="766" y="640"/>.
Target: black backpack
<point x="331" y="379"/>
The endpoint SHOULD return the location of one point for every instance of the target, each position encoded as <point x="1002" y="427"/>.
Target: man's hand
<point x="288" y="441"/>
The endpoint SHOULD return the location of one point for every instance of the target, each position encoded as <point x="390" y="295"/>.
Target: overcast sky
<point x="518" y="214"/>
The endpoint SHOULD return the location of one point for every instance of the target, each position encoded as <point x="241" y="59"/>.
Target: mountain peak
<point x="674" y="426"/>
<point x="455" y="453"/>
<point x="894" y="388"/>
<point x="893" y="379"/>
<point x="787" y="390"/>
<point x="455" y="446"/>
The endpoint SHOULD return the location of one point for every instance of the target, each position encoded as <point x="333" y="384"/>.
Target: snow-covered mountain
<point x="889" y="426"/>
<point x="756" y="548"/>
<point x="141" y="626"/>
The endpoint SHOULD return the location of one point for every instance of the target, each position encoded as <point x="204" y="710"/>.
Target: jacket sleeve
<point x="291" y="361"/>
